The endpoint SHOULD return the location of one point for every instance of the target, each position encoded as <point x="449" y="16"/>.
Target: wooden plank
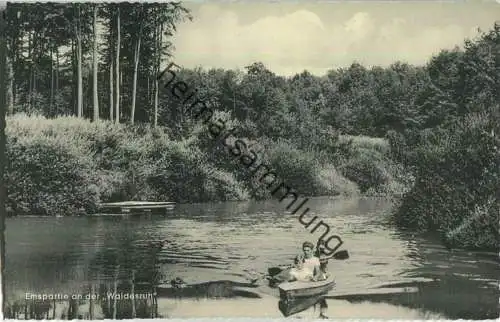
<point x="144" y="207"/>
<point x="136" y="204"/>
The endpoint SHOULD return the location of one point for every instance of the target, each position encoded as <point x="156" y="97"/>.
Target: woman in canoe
<point x="298" y="271"/>
<point x="307" y="266"/>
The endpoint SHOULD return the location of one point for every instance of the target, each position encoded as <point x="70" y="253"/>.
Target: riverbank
<point x="67" y="166"/>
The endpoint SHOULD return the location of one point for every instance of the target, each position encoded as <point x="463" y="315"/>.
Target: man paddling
<point x="311" y="262"/>
<point x="323" y="259"/>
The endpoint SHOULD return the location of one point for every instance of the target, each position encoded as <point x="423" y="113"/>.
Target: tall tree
<point x="13" y="34"/>
<point x="10" y="87"/>
<point x="3" y="102"/>
<point x="117" y="67"/>
<point x="136" y="62"/>
<point x="111" y="90"/>
<point x="158" y="38"/>
<point x="108" y="13"/>
<point x="79" y="58"/>
<point x="95" y="61"/>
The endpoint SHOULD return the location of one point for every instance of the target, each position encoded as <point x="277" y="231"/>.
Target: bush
<point x="365" y="171"/>
<point x="48" y="176"/>
<point x="184" y="174"/>
<point x="334" y="183"/>
<point x="368" y="163"/>
<point x="300" y="169"/>
<point x="457" y="183"/>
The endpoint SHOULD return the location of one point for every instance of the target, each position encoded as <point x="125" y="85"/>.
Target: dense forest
<point x="89" y="122"/>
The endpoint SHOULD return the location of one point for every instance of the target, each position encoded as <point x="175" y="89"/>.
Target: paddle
<point x="340" y="255"/>
<point x="275" y="270"/>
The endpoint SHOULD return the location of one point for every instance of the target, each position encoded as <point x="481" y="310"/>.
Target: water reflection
<point x="125" y="299"/>
<point x="101" y="302"/>
<point x="441" y="281"/>
<point x="211" y="289"/>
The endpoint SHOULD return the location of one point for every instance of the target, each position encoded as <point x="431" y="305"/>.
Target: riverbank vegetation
<point x="454" y="147"/>
<point x="429" y="133"/>
<point x="67" y="165"/>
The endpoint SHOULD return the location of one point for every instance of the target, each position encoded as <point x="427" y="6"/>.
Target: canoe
<point x="277" y="279"/>
<point x="288" y="308"/>
<point x="300" y="289"/>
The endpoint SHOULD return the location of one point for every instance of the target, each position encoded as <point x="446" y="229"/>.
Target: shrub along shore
<point x="67" y="165"/>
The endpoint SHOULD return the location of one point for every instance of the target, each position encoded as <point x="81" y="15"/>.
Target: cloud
<point x="292" y="42"/>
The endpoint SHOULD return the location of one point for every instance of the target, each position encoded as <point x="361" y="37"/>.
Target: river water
<point x="390" y="274"/>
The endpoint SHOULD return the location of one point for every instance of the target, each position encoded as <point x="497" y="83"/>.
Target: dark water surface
<point x="389" y="274"/>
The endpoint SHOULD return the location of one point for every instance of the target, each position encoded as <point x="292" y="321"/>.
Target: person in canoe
<point x="311" y="262"/>
<point x="323" y="260"/>
<point x="292" y="274"/>
<point x="306" y="267"/>
<point x="298" y="271"/>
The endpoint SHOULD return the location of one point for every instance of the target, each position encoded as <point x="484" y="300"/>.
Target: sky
<point x="292" y="36"/>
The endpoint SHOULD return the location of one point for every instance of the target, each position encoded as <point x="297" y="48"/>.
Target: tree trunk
<point x="57" y="71"/>
<point x="28" y="92"/>
<point x="51" y="102"/>
<point x="117" y="69"/>
<point x="136" y="65"/>
<point x="96" y="99"/>
<point x="149" y="92"/>
<point x="14" y="60"/>
<point x="111" y="90"/>
<point x="156" y="72"/>
<point x="33" y="85"/>
<point x="34" y="65"/>
<point x="3" y="56"/>
<point x="79" y="79"/>
<point x="158" y="52"/>
<point x="156" y="104"/>
<point x="10" y="87"/>
<point x="79" y="66"/>
<point x="155" y="121"/>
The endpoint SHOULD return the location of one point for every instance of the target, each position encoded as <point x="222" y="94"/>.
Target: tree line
<point x="57" y="65"/>
<point x="89" y="60"/>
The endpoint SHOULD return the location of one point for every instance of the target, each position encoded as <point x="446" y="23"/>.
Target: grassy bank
<point x="67" y="165"/>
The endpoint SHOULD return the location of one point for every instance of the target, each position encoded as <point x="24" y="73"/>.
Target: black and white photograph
<point x="250" y="159"/>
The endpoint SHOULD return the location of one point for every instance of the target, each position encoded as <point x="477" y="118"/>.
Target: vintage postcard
<point x="258" y="159"/>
